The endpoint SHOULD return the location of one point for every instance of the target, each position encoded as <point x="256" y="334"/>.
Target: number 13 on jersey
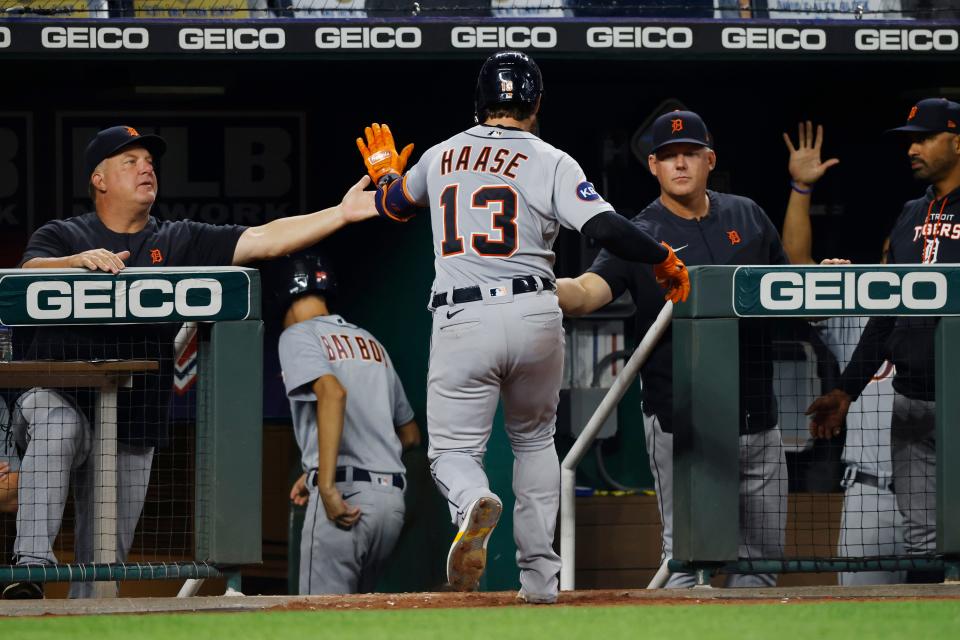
<point x="500" y="202"/>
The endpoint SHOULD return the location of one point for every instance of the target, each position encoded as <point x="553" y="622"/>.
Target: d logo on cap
<point x="132" y="131"/>
<point x="913" y="114"/>
<point x="677" y="125"/>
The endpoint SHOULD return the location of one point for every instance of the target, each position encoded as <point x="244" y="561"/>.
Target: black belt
<point x="361" y="475"/>
<point x="868" y="479"/>
<point x="525" y="284"/>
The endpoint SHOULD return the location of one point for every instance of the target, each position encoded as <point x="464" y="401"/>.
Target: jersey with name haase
<point x="376" y="403"/>
<point x="497" y="198"/>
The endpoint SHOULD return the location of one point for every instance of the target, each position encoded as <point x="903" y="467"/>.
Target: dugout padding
<point x="736" y="293"/>
<point x="201" y="514"/>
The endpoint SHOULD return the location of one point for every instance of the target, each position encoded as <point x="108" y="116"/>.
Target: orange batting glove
<point x="672" y="275"/>
<point x="380" y="154"/>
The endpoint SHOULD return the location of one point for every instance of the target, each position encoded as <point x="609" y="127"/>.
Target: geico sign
<point x="368" y="38"/>
<point x="786" y="291"/>
<point x="5" y="38"/>
<point x="242" y="39"/>
<point x="90" y="299"/>
<point x="906" y="40"/>
<point x="94" y="38"/>
<point x="500" y="37"/>
<point x="783" y="38"/>
<point x="640" y="37"/>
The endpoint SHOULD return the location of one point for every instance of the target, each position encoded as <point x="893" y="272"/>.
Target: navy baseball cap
<point x="111" y="141"/>
<point x="679" y="126"/>
<point x="933" y="115"/>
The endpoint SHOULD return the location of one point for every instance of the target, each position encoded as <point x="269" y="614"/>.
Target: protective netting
<point x="864" y="493"/>
<point x="99" y="439"/>
<point x="243" y="9"/>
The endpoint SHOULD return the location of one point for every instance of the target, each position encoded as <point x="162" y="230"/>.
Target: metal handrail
<point x="568" y="469"/>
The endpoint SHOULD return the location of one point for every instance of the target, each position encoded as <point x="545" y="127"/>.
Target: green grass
<point x="912" y="620"/>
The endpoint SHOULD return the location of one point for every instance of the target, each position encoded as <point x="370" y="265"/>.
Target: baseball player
<point x="9" y="463"/>
<point x="923" y="234"/>
<point x="497" y="196"/>
<point x="709" y="228"/>
<point x="52" y="425"/>
<point x="871" y="524"/>
<point x="351" y="419"/>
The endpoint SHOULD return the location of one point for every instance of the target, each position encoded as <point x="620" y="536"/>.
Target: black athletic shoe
<point x="23" y="591"/>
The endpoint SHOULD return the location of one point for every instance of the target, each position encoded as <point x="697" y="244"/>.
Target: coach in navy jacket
<point x="927" y="232"/>
<point x="704" y="228"/>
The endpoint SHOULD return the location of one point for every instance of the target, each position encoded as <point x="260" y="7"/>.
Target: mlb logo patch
<point x="496" y="292"/>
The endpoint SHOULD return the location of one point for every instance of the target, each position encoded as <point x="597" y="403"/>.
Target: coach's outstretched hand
<point x="827" y="414"/>
<point x="357" y="204"/>
<point x="380" y="154"/>
<point x="673" y="276"/>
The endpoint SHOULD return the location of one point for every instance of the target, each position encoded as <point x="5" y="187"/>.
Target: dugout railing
<point x="216" y="525"/>
<point x="707" y="356"/>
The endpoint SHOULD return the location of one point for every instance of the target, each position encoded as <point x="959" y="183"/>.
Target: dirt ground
<point x="487" y="599"/>
<point x="623" y="597"/>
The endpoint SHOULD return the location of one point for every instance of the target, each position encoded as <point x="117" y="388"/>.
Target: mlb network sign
<point x="133" y="296"/>
<point x="867" y="290"/>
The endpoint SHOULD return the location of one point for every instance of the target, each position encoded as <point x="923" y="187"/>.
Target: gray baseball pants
<point x="508" y="347"/>
<point x="870" y="525"/>
<point x="913" y="444"/>
<point x="57" y="439"/>
<point x="334" y="560"/>
<point x="763" y="500"/>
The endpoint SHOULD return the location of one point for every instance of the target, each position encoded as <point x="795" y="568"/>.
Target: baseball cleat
<point x="535" y="598"/>
<point x="468" y="553"/>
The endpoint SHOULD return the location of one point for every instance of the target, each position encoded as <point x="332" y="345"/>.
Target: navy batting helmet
<point x="301" y="274"/>
<point x="507" y="77"/>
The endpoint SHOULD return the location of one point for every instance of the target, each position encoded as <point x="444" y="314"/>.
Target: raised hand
<point x="805" y="166"/>
<point x="380" y="154"/>
<point x="357" y="204"/>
